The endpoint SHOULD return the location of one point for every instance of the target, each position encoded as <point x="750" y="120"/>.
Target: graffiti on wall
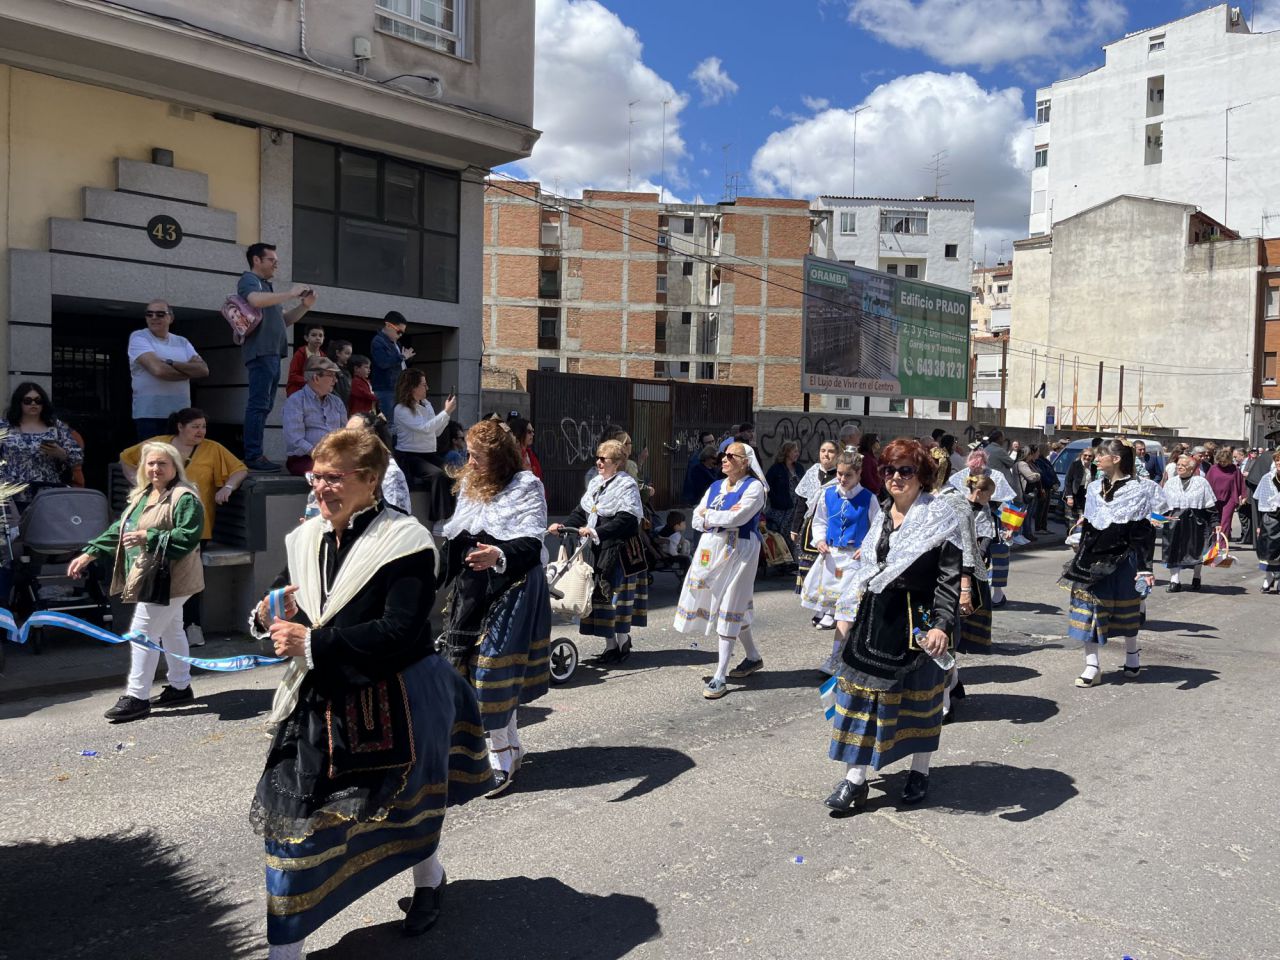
<point x="579" y="439"/>
<point x="811" y="432"/>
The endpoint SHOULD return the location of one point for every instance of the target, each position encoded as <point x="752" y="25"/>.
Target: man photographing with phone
<point x="263" y="349"/>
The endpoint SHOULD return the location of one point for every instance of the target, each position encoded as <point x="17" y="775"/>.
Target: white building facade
<point x="1157" y="120"/>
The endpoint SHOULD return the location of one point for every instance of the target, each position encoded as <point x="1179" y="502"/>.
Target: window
<point x="549" y="284"/>
<point x="1042" y="111"/>
<point x="1154" y="152"/>
<point x="849" y="222"/>
<point x="1269" y="368"/>
<point x="686" y="318"/>
<point x="549" y="364"/>
<point x="684" y="366"/>
<point x="897" y="406"/>
<point x="1155" y="43"/>
<point x="844" y="403"/>
<point x="706" y="371"/>
<point x="892" y="268"/>
<point x="662" y="283"/>
<point x="951" y="251"/>
<point x="944" y="406"/>
<point x="1002" y="288"/>
<point x="687" y="268"/>
<point x="432" y="23"/>
<point x="548" y="328"/>
<point x="688" y="224"/>
<point x="1038" y="200"/>
<point x="904" y="221"/>
<point x="371" y="222"/>
<point x="1042" y="156"/>
<point x="911" y="271"/>
<point x="664" y="240"/>
<point x="1273" y="301"/>
<point x="1155" y="96"/>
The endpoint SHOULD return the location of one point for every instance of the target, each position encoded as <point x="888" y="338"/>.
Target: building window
<point x="844" y="403"/>
<point x="687" y="268"/>
<point x="1269" y="369"/>
<point x="549" y="364"/>
<point x="1273" y="301"/>
<point x="662" y="283"/>
<point x="849" y="222"/>
<point x="1002" y="288"/>
<point x="664" y="241"/>
<point x="684" y="366"/>
<point x="432" y="23"/>
<point x="1155" y="43"/>
<point x="1042" y="156"/>
<point x="897" y="406"/>
<point x="706" y="371"/>
<point x="1042" y="111"/>
<point x="549" y="284"/>
<point x="914" y="222"/>
<point x="944" y="406"/>
<point x="548" y="328"/>
<point x="1154" y="152"/>
<point x="891" y="268"/>
<point x="688" y="224"/>
<point x="952" y="251"/>
<point x="911" y="271"/>
<point x="370" y="222"/>
<point x="686" y="317"/>
<point x="1155" y="96"/>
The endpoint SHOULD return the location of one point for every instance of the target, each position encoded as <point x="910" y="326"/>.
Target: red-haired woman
<point x="499" y="613"/>
<point x="906" y="593"/>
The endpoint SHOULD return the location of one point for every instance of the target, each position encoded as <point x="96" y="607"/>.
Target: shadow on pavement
<point x="228" y="705"/>
<point x="686" y="656"/>
<point x="111" y="896"/>
<point x="514" y="917"/>
<point x="978" y="673"/>
<point x="1187" y="678"/>
<point x="1157" y="626"/>
<point x="1026" y="606"/>
<point x="1014" y="707"/>
<point x="1017" y="794"/>
<point x="768" y="679"/>
<point x="577" y="767"/>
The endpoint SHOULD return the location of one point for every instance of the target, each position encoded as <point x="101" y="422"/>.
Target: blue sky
<point x="768" y="90"/>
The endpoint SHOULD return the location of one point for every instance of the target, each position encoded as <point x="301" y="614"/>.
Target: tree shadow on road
<point x="122" y="894"/>
<point x="1187" y="678"/>
<point x="1014" y="707"/>
<point x="975" y="674"/>
<point x="513" y="917"/>
<point x="1017" y="794"/>
<point x="578" y="767"/>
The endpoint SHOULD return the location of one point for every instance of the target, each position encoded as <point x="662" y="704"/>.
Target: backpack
<point x="242" y="318"/>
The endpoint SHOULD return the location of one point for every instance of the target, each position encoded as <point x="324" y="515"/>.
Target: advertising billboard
<point x="874" y="334"/>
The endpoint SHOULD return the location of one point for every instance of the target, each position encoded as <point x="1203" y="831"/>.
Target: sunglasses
<point x="32" y="402"/>
<point x="604" y="460"/>
<point x="905" y="472"/>
<point x="732" y="456"/>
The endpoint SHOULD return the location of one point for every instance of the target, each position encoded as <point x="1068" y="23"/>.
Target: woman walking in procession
<point x="499" y="613"/>
<point x="977" y="533"/>
<point x="1111" y="573"/>
<point x="807" y="493"/>
<point x="906" y="591"/>
<point x="1268" y="539"/>
<point x="844" y="513"/>
<point x="1193" y="518"/>
<point x="977" y="466"/>
<point x="376" y="733"/>
<point x="718" y="589"/>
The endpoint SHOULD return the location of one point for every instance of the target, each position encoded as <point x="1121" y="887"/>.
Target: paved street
<point x="1136" y="818"/>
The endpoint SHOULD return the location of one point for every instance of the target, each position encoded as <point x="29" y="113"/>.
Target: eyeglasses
<point x="605" y="460"/>
<point x="906" y="471"/>
<point x="158" y="314"/>
<point x="32" y="402"/>
<point x="329" y="479"/>
<point x="323" y="373"/>
<point x="732" y="456"/>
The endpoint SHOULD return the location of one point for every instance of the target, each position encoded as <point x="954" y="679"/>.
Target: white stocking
<point x="856" y="774"/>
<point x="287" y="951"/>
<point x="428" y="872"/>
<point x="997" y="595"/>
<point x="748" y="644"/>
<point x="499" y="755"/>
<point x="726" y="651"/>
<point x="1130" y="651"/>
<point x="513" y="738"/>
<point x="1175" y="576"/>
<point x="1091" y="665"/>
<point x="920" y="762"/>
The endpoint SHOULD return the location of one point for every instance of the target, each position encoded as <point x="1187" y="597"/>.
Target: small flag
<point x="1012" y="516"/>
<point x="828" y="694"/>
<point x="1159" y="518"/>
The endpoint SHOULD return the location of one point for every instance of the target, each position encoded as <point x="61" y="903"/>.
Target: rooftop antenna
<point x="630" y="121"/>
<point x="662" y="187"/>
<point x="938" y="167"/>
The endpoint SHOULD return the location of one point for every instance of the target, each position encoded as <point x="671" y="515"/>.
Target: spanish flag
<point x="1012" y="516"/>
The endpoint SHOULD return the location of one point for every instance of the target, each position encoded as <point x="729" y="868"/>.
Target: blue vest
<point x="847" y="519"/>
<point x="727" y="501"/>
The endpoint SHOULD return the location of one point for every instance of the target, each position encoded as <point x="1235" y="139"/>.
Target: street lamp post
<point x="853" y="184"/>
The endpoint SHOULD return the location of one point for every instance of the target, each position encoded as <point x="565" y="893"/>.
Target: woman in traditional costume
<point x="976" y="466"/>
<point x="498" y="619"/>
<point x="1117" y="542"/>
<point x="906" y="591"/>
<point x="1268" y="540"/>
<point x="814" y="479"/>
<point x="717" y="594"/>
<point x="609" y="513"/>
<point x="375" y="733"/>
<point x="841" y="519"/>
<point x="1193" y="516"/>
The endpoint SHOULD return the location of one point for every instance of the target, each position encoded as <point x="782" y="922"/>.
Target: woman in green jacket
<point x="165" y="517"/>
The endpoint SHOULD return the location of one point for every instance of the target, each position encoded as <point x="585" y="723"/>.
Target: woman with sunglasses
<point x="37" y="448"/>
<point x="905" y="594"/>
<point x="808" y="492"/>
<point x="717" y="594"/>
<point x="1117" y="544"/>
<point x="609" y="514"/>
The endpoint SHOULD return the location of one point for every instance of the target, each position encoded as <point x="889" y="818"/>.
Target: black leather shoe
<point x="424" y="911"/>
<point x="612" y="655"/>
<point x="949" y="715"/>
<point x="624" y="651"/>
<point x="916" y="788"/>
<point x="1174" y="588"/>
<point x="1195" y="585"/>
<point x="957" y="692"/>
<point x="847" y="798"/>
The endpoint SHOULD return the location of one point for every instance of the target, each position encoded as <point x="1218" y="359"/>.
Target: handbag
<point x="632" y="557"/>
<point x="776" y="551"/>
<point x="571" y="581"/>
<point x="241" y="316"/>
<point x="151" y="575"/>
<point x="1219" y="554"/>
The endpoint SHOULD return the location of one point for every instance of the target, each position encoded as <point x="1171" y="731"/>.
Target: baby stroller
<point x="52" y="532"/>
<point x="570" y="579"/>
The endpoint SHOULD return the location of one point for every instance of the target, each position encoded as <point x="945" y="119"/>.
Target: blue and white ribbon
<point x="827" y="693"/>
<point x="64" y="621"/>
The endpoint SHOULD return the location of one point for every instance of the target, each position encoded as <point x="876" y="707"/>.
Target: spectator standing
<point x="1150" y="461"/>
<point x="37" y="447"/>
<point x="418" y="430"/>
<point x="692" y="469"/>
<point x="1032" y="490"/>
<point x="1048" y="483"/>
<point x="869" y="447"/>
<point x="262" y="349"/>
<point x="1175" y="453"/>
<point x="310" y="414"/>
<point x="704" y="473"/>
<point x="455" y="455"/>
<point x="313" y="347"/>
<point x="959" y="458"/>
<point x="1209" y="458"/>
<point x="522" y="430"/>
<point x="162" y="366"/>
<point x="389" y="360"/>
<point x="999" y="461"/>
<point x="782" y="479"/>
<point x="340" y="353"/>
<point x="1080" y="474"/>
<point x="362" y="398"/>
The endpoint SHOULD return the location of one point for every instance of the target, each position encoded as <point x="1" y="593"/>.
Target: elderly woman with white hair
<point x="164" y="519"/>
<point x="718" y="589"/>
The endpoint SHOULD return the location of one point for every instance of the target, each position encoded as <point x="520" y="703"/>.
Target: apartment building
<point x="992" y="299"/>
<point x="355" y="136"/>
<point x="619" y="284"/>
<point x="1186" y="111"/>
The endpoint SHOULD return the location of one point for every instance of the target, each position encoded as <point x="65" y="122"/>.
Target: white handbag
<point x="573" y="579"/>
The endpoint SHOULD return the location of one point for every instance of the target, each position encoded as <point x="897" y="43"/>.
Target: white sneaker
<point x="195" y="636"/>
<point x="1020" y="540"/>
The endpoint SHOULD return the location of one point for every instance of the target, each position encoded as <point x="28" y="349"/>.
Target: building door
<point x="92" y="392"/>
<point x="651" y="430"/>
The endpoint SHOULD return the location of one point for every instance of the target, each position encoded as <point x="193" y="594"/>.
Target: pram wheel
<point x="564" y="659"/>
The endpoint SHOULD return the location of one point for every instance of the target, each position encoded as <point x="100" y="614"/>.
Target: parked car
<point x="1072" y="450"/>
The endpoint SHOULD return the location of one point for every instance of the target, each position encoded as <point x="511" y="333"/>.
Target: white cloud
<point x="1266" y="16"/>
<point x="985" y="33"/>
<point x="588" y="67"/>
<point x="815" y="103"/>
<point x="987" y="136"/>
<point x="714" y="82"/>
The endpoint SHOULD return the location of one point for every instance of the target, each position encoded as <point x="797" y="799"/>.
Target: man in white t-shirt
<point x="163" y="365"/>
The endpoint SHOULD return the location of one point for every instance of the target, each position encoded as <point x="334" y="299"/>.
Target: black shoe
<point x="424" y="911"/>
<point x="1195" y="585"/>
<point x="612" y="655"/>
<point x="128" y="708"/>
<point x="263" y="465"/>
<point x="624" y="651"/>
<point x="746" y="668"/>
<point x="916" y="788"/>
<point x="172" y="695"/>
<point x="847" y="798"/>
<point x="957" y="692"/>
<point x="996" y="605"/>
<point x="949" y="715"/>
<point x="1174" y="588"/>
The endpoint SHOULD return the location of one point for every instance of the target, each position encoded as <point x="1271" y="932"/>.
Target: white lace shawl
<point x="1266" y="494"/>
<point x="809" y="484"/>
<point x="1004" y="493"/>
<point x="519" y="510"/>
<point x="1198" y="494"/>
<point x="929" y="521"/>
<point x="620" y="496"/>
<point x="966" y="526"/>
<point x="1136" y="500"/>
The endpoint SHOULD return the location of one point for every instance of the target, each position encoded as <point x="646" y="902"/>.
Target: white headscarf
<point x="753" y="465"/>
